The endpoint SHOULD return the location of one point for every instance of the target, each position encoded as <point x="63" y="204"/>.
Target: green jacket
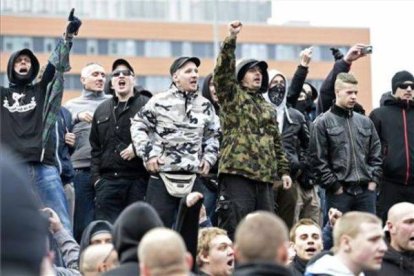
<point x="251" y="145"/>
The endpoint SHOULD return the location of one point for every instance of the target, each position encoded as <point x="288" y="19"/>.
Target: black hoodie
<point x="90" y="230"/>
<point x="261" y="269"/>
<point x="22" y="111"/>
<point x="205" y="91"/>
<point x="132" y="224"/>
<point x="394" y="122"/>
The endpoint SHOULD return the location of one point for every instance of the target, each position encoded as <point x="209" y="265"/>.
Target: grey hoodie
<point x="88" y="101"/>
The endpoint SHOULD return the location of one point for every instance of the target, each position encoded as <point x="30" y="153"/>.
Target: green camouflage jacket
<point x="251" y="145"/>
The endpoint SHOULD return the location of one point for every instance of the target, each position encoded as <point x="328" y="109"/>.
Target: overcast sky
<point x="391" y="24"/>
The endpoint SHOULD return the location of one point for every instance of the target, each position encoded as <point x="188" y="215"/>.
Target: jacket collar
<point x="183" y="94"/>
<point x="92" y="94"/>
<point x="342" y="112"/>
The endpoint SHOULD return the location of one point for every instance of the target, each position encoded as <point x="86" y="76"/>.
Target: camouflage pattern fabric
<point x="54" y="92"/>
<point x="174" y="125"/>
<point x="251" y="145"/>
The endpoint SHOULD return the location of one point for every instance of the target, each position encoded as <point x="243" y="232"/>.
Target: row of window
<point x="154" y="84"/>
<point x="172" y="10"/>
<point x="153" y="48"/>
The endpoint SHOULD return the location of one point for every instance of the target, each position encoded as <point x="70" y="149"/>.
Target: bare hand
<point x="306" y="56"/>
<point x="287" y="182"/>
<point x="235" y="27"/>
<point x="339" y="191"/>
<point x="128" y="153"/>
<point x="54" y="220"/>
<point x="334" y="215"/>
<point x="192" y="198"/>
<point x="203" y="214"/>
<point x="153" y="165"/>
<point x="85" y="116"/>
<point x="70" y="139"/>
<point x="354" y="53"/>
<point x="372" y="186"/>
<point x="204" y="168"/>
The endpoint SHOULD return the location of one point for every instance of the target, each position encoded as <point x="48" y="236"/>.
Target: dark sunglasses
<point x="405" y="85"/>
<point x="124" y="72"/>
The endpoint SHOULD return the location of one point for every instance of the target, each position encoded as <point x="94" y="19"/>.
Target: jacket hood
<point x="314" y="90"/>
<point x="403" y="260"/>
<point x="272" y="74"/>
<point x="129" y="228"/>
<point x="261" y="269"/>
<point x="388" y="99"/>
<point x="93" y="227"/>
<point x="245" y="64"/>
<point x="33" y="71"/>
<point x="205" y="90"/>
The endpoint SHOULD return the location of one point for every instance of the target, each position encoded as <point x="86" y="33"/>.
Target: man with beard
<point x="394" y="121"/>
<point x="306" y="237"/>
<point x="215" y="255"/>
<point x="301" y="201"/>
<point x="252" y="159"/>
<point x="176" y="134"/>
<point x="28" y="113"/>
<point x="346" y="152"/>
<point x="118" y="175"/>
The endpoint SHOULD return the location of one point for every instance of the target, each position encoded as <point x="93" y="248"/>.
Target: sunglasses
<point x="124" y="72"/>
<point x="405" y="85"/>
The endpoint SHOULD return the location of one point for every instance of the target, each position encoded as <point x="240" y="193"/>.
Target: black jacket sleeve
<point x="327" y="92"/>
<point x="296" y="85"/>
<point x="96" y="151"/>
<point x="48" y="75"/>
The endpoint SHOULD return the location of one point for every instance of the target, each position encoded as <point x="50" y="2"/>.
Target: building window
<point x="72" y="82"/>
<point x="177" y="48"/>
<point x="257" y="51"/>
<point x="49" y="44"/>
<point x="157" y="48"/>
<point x="103" y="46"/>
<point x="287" y="52"/>
<point x="38" y="45"/>
<point x="157" y="84"/>
<point x="79" y="46"/>
<point x="129" y="47"/>
<point x="202" y="50"/>
<point x="91" y="46"/>
<point x="140" y="48"/>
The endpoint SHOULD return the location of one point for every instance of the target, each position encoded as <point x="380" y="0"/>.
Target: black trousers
<point x="165" y="204"/>
<point x="239" y="196"/>
<point x="114" y="195"/>
<point x="391" y="194"/>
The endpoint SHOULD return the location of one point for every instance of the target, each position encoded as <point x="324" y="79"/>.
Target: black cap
<point x="122" y="61"/>
<point x="245" y="64"/>
<point x="179" y="62"/>
<point x="399" y="78"/>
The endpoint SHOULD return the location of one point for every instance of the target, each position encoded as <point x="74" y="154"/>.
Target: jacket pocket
<point x="336" y="135"/>
<point x="364" y="137"/>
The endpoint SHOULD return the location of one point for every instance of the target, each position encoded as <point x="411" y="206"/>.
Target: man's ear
<point x="189" y="260"/>
<point x="204" y="259"/>
<point x="390" y="227"/>
<point x="237" y="255"/>
<point x="102" y="267"/>
<point x="82" y="80"/>
<point x="282" y="255"/>
<point x="175" y="77"/>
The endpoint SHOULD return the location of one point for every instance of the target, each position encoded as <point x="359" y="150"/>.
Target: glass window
<point x="8" y="44"/>
<point x="140" y="48"/>
<point x="38" y="45"/>
<point x="3" y="79"/>
<point x="287" y="52"/>
<point x="157" y="84"/>
<point x="103" y="46"/>
<point x="157" y="48"/>
<point x="113" y="47"/>
<point x="1" y="43"/>
<point x="271" y="51"/>
<point x="91" y="46"/>
<point x="186" y="50"/>
<point x="257" y="51"/>
<point x="129" y="47"/>
<point x="79" y="46"/>
<point x="177" y="48"/>
<point x="72" y="82"/>
<point x="202" y="50"/>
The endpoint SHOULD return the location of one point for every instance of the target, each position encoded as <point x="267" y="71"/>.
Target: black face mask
<point x="305" y="105"/>
<point x="277" y="94"/>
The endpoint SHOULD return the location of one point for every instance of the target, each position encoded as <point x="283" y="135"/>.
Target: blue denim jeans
<point x="49" y="189"/>
<point x="345" y="202"/>
<point x="84" y="202"/>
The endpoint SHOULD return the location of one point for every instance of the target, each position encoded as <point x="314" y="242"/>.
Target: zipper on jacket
<point x="407" y="156"/>
<point x="353" y="149"/>
<point x="57" y="148"/>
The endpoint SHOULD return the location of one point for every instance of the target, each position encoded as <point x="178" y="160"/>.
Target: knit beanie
<point x="399" y="78"/>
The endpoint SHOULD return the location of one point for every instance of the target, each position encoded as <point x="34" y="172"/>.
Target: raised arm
<point x="299" y="77"/>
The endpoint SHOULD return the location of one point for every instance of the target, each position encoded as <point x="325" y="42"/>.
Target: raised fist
<point x="73" y="26"/>
<point x="235" y="27"/>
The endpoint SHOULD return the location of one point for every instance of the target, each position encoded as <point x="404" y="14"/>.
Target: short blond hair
<point x="344" y="78"/>
<point x="259" y="235"/>
<point x="350" y="225"/>
<point x="205" y="236"/>
<point x="304" y="221"/>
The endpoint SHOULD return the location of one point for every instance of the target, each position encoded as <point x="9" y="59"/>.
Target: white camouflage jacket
<point x="180" y="128"/>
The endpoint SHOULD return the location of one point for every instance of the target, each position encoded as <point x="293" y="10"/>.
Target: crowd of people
<point x="251" y="175"/>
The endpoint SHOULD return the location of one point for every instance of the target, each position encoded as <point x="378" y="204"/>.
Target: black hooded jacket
<point x="394" y="122"/>
<point x="22" y="111"/>
<point x="261" y="269"/>
<point x="132" y="224"/>
<point x="395" y="263"/>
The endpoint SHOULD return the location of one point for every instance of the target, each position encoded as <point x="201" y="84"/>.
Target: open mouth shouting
<point x="23" y="71"/>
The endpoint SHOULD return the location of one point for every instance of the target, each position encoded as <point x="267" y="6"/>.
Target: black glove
<point x="73" y="25"/>
<point x="337" y="54"/>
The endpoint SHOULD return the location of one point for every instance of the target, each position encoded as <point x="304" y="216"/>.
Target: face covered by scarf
<point x="277" y="94"/>
<point x="305" y="105"/>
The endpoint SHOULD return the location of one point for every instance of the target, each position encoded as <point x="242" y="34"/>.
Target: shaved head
<point x="401" y="226"/>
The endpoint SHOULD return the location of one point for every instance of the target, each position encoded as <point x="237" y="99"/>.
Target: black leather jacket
<point x="345" y="149"/>
<point x="295" y="142"/>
